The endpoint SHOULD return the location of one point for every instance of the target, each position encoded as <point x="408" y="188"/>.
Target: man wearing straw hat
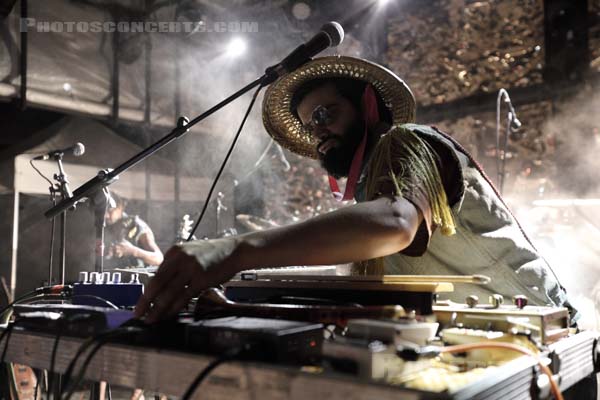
<point x="424" y="206"/>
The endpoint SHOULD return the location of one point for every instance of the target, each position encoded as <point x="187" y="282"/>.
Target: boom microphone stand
<point x="331" y="34"/>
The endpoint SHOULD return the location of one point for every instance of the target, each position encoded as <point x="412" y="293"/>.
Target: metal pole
<point x="115" y="77"/>
<point x="15" y="244"/>
<point x="24" y="15"/>
<point x="63" y="183"/>
<point x="52" y="233"/>
<point x="148" y="78"/>
<point x="177" y="105"/>
<point x="63" y="246"/>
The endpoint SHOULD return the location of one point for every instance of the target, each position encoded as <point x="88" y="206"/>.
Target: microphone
<point x="330" y="35"/>
<point x="512" y="114"/>
<point x="515" y="134"/>
<point x="77" y="150"/>
<point x="516" y="124"/>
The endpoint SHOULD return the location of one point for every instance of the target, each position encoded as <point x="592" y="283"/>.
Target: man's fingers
<point x="165" y="273"/>
<point x="179" y="303"/>
<point x="141" y="307"/>
<point x="169" y="295"/>
<point x="167" y="270"/>
<point x="172" y="287"/>
<point x="194" y="287"/>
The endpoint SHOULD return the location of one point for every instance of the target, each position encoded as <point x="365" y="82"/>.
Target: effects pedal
<point x="260" y="339"/>
<point x="97" y="288"/>
<point x="544" y="324"/>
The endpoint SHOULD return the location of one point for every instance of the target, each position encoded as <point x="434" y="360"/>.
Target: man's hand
<point x="124" y="249"/>
<point x="181" y="276"/>
<point x="362" y="231"/>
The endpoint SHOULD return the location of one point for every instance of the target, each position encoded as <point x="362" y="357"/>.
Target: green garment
<point x="480" y="236"/>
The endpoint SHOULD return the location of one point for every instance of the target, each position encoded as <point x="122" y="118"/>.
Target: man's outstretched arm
<point x="362" y="231"/>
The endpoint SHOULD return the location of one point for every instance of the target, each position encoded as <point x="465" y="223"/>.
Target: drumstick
<point x="475" y="279"/>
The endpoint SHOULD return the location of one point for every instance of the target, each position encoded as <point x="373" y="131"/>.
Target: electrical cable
<point x="461" y="348"/>
<point x="84" y="346"/>
<point x="257" y="163"/>
<point x="30" y="296"/>
<point x="97" y="341"/>
<point x="41" y="298"/>
<point x="90" y="296"/>
<point x="53" y="359"/>
<point x="84" y="367"/>
<point x="222" y="167"/>
<point x="37" y="385"/>
<point x="6" y="335"/>
<point x="60" y="297"/>
<point x="40" y="172"/>
<point x="41" y="291"/>
<point x="227" y="356"/>
<point x="26" y="295"/>
<point x="92" y="353"/>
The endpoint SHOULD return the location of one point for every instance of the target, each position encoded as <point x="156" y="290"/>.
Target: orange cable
<point x="461" y="348"/>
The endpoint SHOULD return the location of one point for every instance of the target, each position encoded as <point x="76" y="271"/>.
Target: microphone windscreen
<point x="79" y="149"/>
<point x="335" y="32"/>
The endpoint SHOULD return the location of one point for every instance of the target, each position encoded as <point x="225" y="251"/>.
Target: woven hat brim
<point x="287" y="130"/>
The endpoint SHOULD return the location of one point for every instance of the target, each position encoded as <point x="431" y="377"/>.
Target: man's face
<point x="340" y="137"/>
<point x="114" y="214"/>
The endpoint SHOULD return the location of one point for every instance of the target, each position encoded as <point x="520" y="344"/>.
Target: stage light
<point x="236" y="47"/>
<point x="301" y="11"/>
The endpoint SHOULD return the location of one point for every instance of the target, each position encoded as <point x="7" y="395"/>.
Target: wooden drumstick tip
<point x="481" y="279"/>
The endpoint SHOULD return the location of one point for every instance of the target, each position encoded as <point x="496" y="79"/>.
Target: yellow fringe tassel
<point x="403" y="159"/>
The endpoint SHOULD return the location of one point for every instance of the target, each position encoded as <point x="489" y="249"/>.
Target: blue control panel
<point x="101" y="289"/>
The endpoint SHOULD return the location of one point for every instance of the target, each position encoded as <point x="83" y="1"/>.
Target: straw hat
<point x="287" y="130"/>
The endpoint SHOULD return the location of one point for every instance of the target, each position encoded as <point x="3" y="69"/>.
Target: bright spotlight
<point x="236" y="47"/>
<point x="301" y="10"/>
<point x="382" y="3"/>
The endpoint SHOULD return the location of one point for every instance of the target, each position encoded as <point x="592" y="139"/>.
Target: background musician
<point x="129" y="240"/>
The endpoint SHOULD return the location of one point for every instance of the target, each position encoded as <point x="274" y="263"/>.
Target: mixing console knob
<point x="496" y="300"/>
<point x="135" y="278"/>
<point x="472" y="301"/>
<point x="94" y="277"/>
<point x="520" y="301"/>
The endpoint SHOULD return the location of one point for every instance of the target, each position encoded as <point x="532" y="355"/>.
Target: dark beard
<point x="337" y="160"/>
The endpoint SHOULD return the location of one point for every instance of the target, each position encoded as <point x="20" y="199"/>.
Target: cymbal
<point x="255" y="223"/>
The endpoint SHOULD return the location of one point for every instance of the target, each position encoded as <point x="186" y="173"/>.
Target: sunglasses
<point x="321" y="116"/>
